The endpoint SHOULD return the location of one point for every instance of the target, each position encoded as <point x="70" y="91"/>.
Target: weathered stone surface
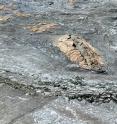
<point x="14" y="104"/>
<point x="4" y="18"/>
<point x="31" y="63"/>
<point x="42" y="27"/>
<point x="72" y="2"/>
<point x="30" y="58"/>
<point x="18" y="108"/>
<point x="2" y="7"/>
<point x="79" y="51"/>
<point x="21" y="14"/>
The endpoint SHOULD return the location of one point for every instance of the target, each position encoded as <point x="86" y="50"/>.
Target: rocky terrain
<point x="38" y="83"/>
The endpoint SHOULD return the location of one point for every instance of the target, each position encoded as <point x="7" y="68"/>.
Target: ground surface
<point x="33" y="72"/>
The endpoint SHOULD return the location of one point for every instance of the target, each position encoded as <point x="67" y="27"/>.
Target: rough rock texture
<point x="42" y="27"/>
<point x="20" y="14"/>
<point x="30" y="58"/>
<point x="4" y="18"/>
<point x="18" y="108"/>
<point x="72" y="2"/>
<point x="31" y="63"/>
<point x="79" y="51"/>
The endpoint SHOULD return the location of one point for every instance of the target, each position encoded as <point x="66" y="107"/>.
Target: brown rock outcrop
<point x="79" y="51"/>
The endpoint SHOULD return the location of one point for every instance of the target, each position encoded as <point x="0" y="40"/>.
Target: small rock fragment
<point x="4" y="18"/>
<point x="21" y="14"/>
<point x="2" y="7"/>
<point x="42" y="27"/>
<point x="79" y="51"/>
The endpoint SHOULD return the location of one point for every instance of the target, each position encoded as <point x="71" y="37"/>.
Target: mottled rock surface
<point x="79" y="51"/>
<point x="31" y="63"/>
<point x="42" y="27"/>
<point x="18" y="108"/>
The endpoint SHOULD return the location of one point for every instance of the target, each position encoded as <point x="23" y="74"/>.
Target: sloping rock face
<point x="31" y="63"/>
<point x="31" y="58"/>
<point x="79" y="51"/>
<point x="18" y="108"/>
